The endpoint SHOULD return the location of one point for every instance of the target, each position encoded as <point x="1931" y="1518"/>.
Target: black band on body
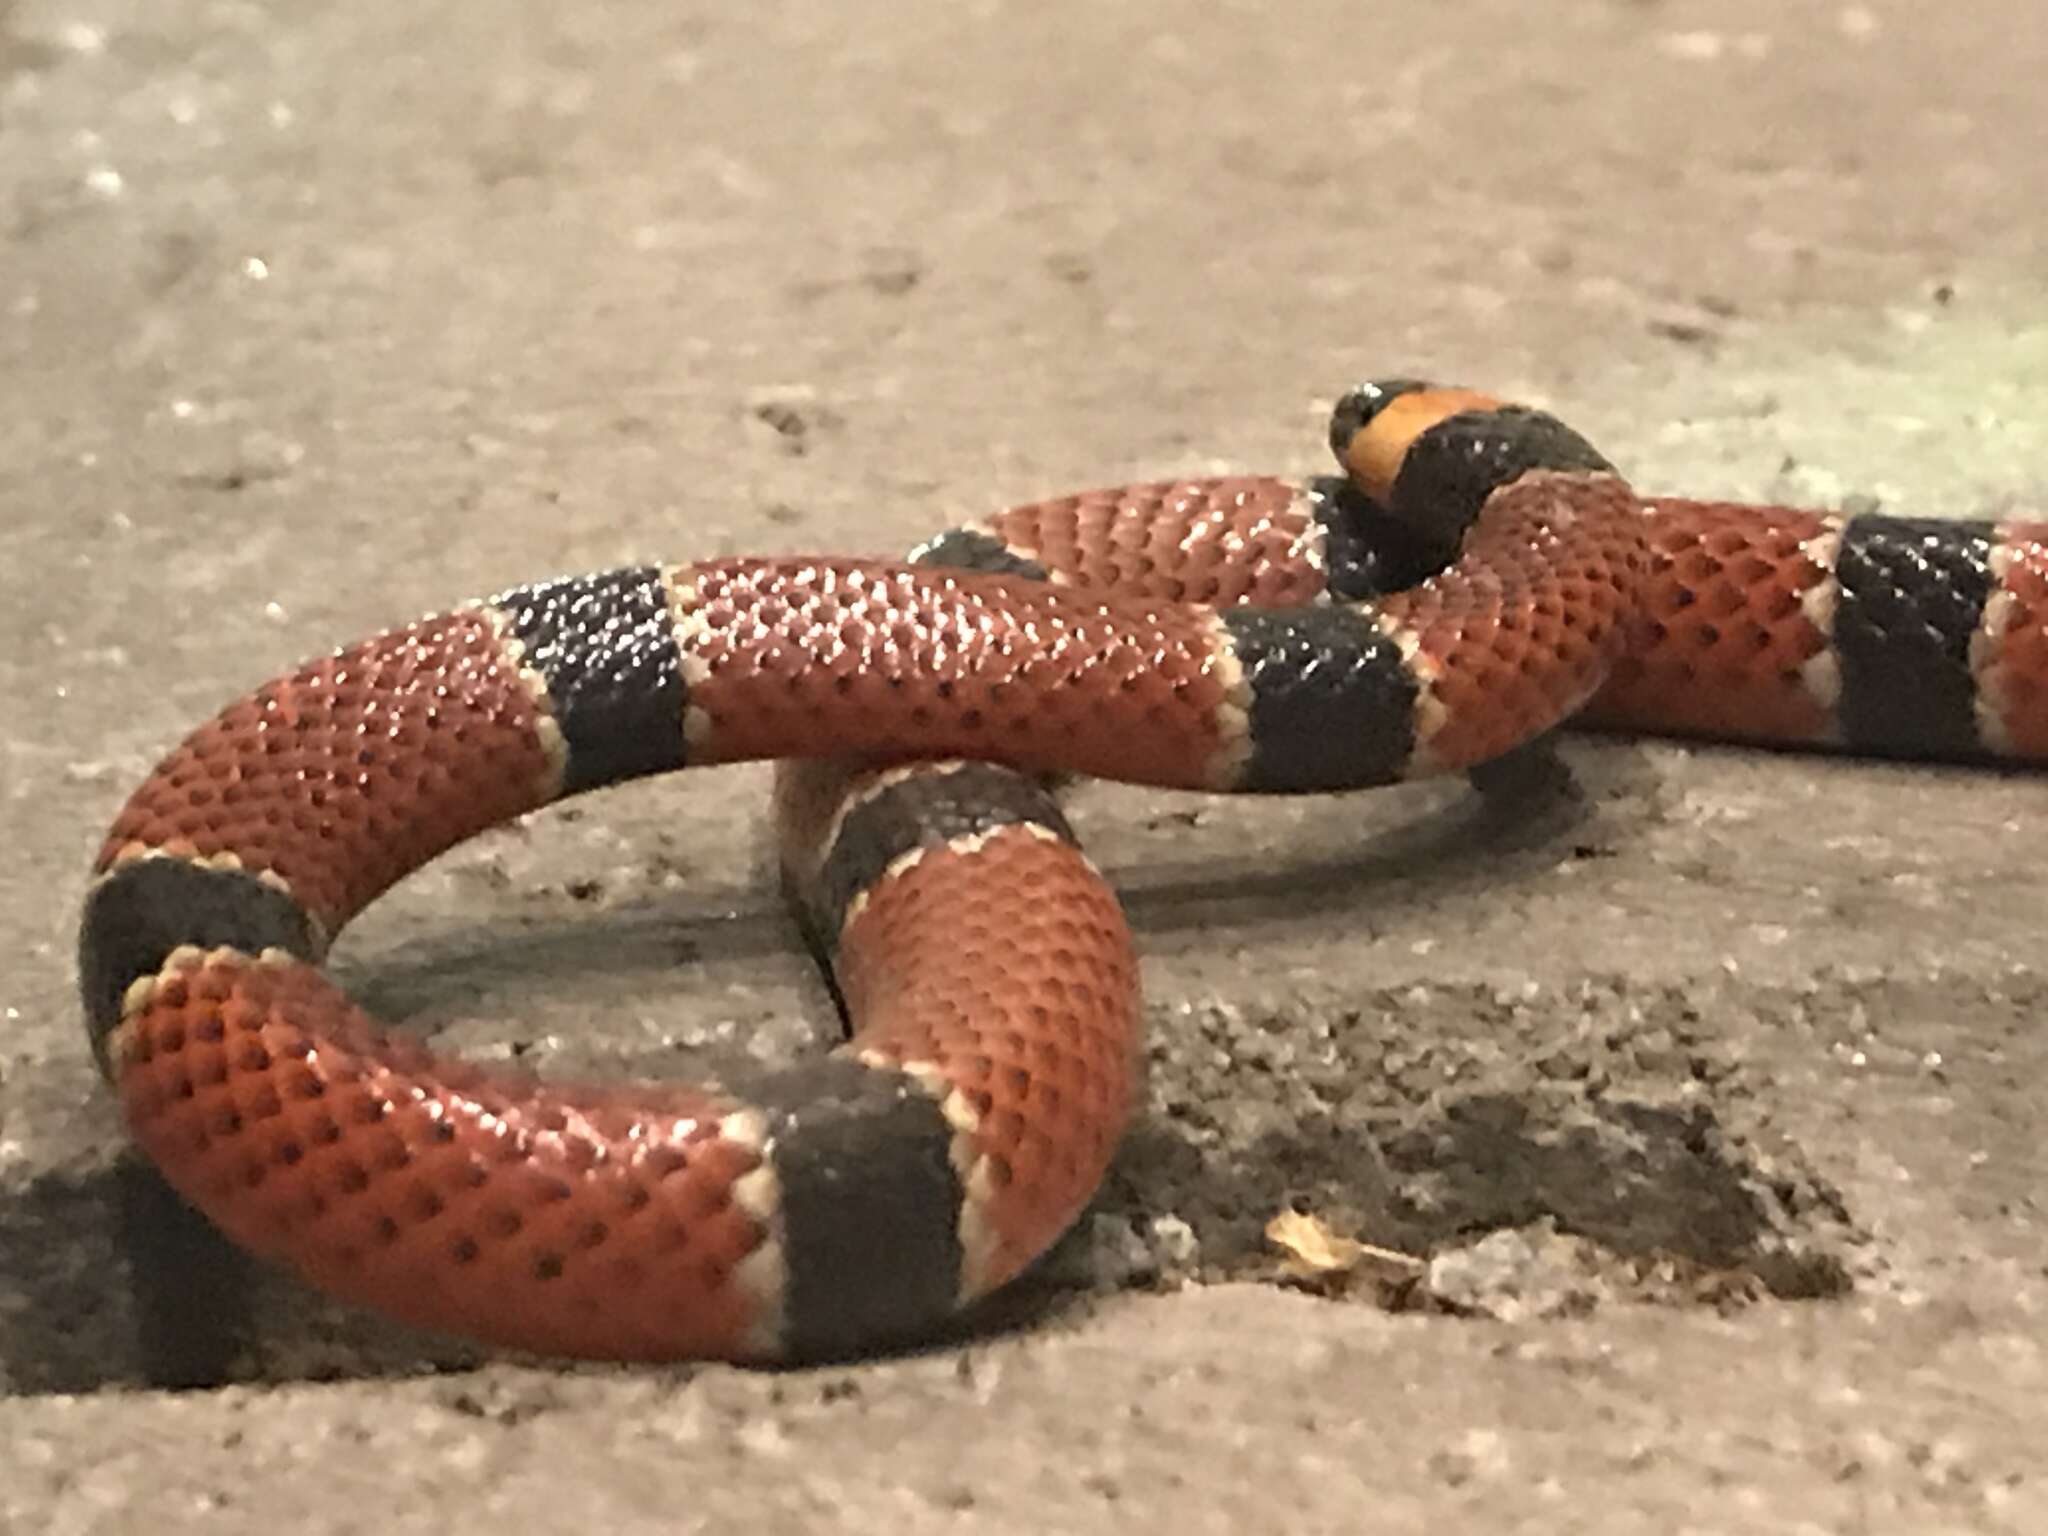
<point x="870" y="1206"/>
<point x="1449" y="470"/>
<point x="1913" y="592"/>
<point x="607" y="651"/>
<point x="1333" y="704"/>
<point x="969" y="549"/>
<point x="191" y="1289"/>
<point x="135" y="917"/>
<point x="929" y="809"/>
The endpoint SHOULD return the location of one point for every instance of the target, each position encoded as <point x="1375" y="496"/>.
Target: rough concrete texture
<point x="1695" y="1094"/>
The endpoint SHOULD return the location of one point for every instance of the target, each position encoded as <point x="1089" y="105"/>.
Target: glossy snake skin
<point x="1477" y="575"/>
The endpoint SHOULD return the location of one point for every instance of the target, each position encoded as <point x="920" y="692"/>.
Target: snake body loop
<point x="1233" y="634"/>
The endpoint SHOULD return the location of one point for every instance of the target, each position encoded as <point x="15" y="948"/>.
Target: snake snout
<point x="1356" y="408"/>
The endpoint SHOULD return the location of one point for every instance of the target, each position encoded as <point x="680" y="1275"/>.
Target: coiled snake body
<point x="1244" y="634"/>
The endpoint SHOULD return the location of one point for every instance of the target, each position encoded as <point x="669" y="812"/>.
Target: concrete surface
<point x="1700" y="1089"/>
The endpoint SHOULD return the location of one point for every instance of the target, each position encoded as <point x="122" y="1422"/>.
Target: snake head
<point x="1428" y="456"/>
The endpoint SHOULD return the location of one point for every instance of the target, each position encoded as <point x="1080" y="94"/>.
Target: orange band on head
<point x="1374" y="454"/>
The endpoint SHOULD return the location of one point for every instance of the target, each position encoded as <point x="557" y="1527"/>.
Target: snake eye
<point x="1356" y="408"/>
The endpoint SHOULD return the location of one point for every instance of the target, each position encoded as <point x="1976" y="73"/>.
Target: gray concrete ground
<point x="1705" y="1085"/>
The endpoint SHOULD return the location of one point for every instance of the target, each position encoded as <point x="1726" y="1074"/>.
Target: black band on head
<point x="1451" y="468"/>
<point x="1366" y="554"/>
